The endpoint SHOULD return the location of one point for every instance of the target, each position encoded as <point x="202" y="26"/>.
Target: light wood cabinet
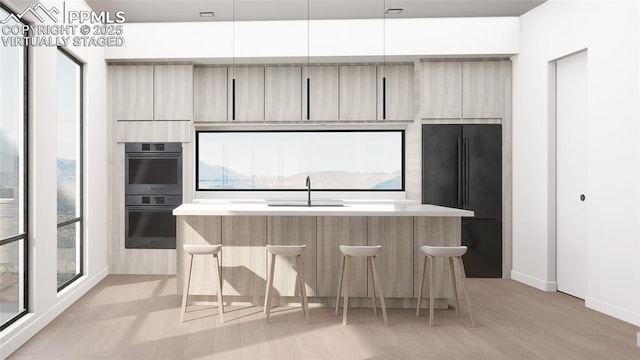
<point x="210" y="94"/>
<point x="358" y="95"/>
<point x="293" y="230"/>
<point x="395" y="264"/>
<point x="246" y="94"/>
<point x="333" y="232"/>
<point x="244" y="259"/>
<point x="483" y="89"/>
<point x="283" y="93"/>
<point x="320" y="93"/>
<point x="173" y="92"/>
<point x="395" y="93"/>
<point x="441" y="90"/>
<point x="131" y="92"/>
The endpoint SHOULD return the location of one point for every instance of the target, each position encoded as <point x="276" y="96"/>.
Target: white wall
<point x="280" y="41"/>
<point x="609" y="30"/>
<point x="45" y="303"/>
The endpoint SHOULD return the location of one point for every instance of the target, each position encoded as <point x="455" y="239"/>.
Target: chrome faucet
<point x="308" y="184"/>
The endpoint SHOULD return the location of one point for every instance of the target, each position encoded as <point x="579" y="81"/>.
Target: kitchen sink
<point x="303" y="203"/>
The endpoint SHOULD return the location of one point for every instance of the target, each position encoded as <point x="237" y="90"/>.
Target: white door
<point x="571" y="172"/>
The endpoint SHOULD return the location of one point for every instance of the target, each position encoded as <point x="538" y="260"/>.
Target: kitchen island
<point x="245" y="228"/>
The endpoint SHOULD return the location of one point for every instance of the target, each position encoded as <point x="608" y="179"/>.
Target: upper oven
<point x="153" y="168"/>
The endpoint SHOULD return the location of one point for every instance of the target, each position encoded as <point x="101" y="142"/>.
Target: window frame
<point x="25" y="191"/>
<point x="80" y="218"/>
<point x="402" y="151"/>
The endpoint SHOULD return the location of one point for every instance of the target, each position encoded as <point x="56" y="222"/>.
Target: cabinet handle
<point x="308" y="99"/>
<point x="233" y="99"/>
<point x="384" y="98"/>
<point x="460" y="161"/>
<point x="466" y="170"/>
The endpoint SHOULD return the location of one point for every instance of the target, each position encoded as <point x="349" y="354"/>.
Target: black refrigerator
<point x="462" y="168"/>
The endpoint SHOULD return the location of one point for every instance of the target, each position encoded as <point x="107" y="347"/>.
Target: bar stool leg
<point x="463" y="281"/>
<point x="453" y="286"/>
<point x="346" y="290"/>
<point x="340" y="283"/>
<point x="432" y="287"/>
<point x="185" y="291"/>
<point x="424" y="270"/>
<point x="303" y="290"/>
<point x="219" y="286"/>
<point x="373" y="293"/>
<point x="378" y="284"/>
<point x="267" y="299"/>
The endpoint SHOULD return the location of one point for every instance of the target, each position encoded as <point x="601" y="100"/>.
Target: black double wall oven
<point x="153" y="189"/>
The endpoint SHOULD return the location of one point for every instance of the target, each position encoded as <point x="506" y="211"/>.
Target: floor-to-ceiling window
<point x="69" y="167"/>
<point x="13" y="184"/>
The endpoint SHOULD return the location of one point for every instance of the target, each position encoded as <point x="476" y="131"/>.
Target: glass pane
<point x="68" y="125"/>
<point x="335" y="160"/>
<point x="153" y="171"/>
<point x="12" y="274"/>
<point x="68" y="252"/>
<point x="11" y="139"/>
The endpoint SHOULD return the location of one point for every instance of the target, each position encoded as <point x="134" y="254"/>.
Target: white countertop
<point x="349" y="209"/>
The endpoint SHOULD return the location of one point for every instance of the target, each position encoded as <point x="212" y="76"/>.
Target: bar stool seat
<point x="371" y="253"/>
<point x="286" y="250"/>
<point x="450" y="252"/>
<point x="206" y="249"/>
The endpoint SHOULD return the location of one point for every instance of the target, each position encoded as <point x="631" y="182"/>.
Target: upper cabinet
<point x="468" y="89"/>
<point x="483" y="89"/>
<point x="173" y="92"/>
<point x="358" y="97"/>
<point x="131" y="92"/>
<point x="441" y="90"/>
<point x="283" y="93"/>
<point x="320" y="93"/>
<point x="395" y="92"/>
<point x="246" y="94"/>
<point x="210" y="94"/>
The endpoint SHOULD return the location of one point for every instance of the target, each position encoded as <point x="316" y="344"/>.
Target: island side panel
<point x="197" y="230"/>
<point x="395" y="264"/>
<point x="434" y="231"/>
<point x="293" y="230"/>
<point x="332" y="232"/>
<point x="244" y="259"/>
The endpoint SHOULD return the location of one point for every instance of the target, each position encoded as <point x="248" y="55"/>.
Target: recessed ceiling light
<point x="207" y="14"/>
<point x="393" y="11"/>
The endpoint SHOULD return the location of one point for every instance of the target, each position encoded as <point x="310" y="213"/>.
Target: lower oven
<point x="149" y="222"/>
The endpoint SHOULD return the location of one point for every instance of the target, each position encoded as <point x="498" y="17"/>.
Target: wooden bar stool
<point x="286" y="250"/>
<point x="202" y="250"/>
<point x="451" y="252"/>
<point x="371" y="253"/>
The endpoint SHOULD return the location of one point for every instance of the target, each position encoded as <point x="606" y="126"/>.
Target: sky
<point x="290" y="153"/>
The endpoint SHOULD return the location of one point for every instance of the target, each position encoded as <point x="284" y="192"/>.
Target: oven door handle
<point x="155" y="208"/>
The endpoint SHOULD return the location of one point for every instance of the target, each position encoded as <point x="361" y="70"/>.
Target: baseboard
<point x="539" y="284"/>
<point x="613" y="310"/>
<point x="21" y="331"/>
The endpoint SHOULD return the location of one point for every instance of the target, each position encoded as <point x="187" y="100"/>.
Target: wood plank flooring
<point x="138" y="317"/>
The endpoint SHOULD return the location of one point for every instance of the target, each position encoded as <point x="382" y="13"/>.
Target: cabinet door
<point x="131" y="92"/>
<point x="320" y="93"/>
<point x="395" y="92"/>
<point x="244" y="259"/>
<point x="173" y="92"/>
<point x="483" y="238"/>
<point x="334" y="231"/>
<point x="358" y="93"/>
<point x="246" y="102"/>
<point x="283" y="93"/>
<point x="482" y="89"/>
<point x="440" y="90"/>
<point x="293" y="230"/>
<point x="210" y="94"/>
<point x="395" y="264"/>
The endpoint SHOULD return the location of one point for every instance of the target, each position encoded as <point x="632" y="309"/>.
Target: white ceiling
<point x="247" y="10"/>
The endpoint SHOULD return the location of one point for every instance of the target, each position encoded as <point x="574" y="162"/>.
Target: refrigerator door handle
<point x="466" y="171"/>
<point x="460" y="170"/>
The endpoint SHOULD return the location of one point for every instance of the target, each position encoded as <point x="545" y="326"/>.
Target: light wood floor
<point x="137" y="317"/>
